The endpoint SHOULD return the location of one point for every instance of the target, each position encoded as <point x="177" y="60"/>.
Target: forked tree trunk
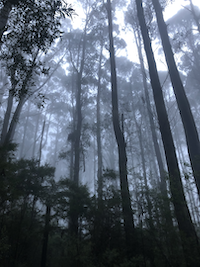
<point x="191" y="133"/>
<point x="187" y="231"/>
<point x="126" y="202"/>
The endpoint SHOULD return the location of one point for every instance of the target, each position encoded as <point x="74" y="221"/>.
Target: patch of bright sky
<point x="131" y="51"/>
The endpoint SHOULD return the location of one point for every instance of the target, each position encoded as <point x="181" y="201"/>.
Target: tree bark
<point x="126" y="201"/>
<point x="187" y="231"/>
<point x="191" y="133"/>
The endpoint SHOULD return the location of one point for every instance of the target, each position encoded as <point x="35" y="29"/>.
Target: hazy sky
<point x="172" y="9"/>
<point x="131" y="51"/>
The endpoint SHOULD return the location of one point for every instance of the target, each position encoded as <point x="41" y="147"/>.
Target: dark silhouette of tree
<point x="186" y="227"/>
<point x="126" y="202"/>
<point x="191" y="133"/>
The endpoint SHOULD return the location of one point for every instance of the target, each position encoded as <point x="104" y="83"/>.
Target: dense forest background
<point x="99" y="154"/>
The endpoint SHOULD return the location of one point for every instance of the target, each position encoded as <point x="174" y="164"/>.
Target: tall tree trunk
<point x="99" y="147"/>
<point x="150" y="115"/>
<point x="166" y="212"/>
<point x="71" y="172"/>
<point x="191" y="133"/>
<point x="149" y="205"/>
<point x="126" y="202"/>
<point x="78" y="128"/>
<point x="186" y="227"/>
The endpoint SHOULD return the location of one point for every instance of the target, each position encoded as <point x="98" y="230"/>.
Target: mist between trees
<point x="100" y="155"/>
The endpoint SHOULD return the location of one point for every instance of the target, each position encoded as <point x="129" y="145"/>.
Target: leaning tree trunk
<point x="187" y="231"/>
<point x="10" y="134"/>
<point x="191" y="133"/>
<point x="163" y="186"/>
<point x="126" y="202"/>
<point x="150" y="115"/>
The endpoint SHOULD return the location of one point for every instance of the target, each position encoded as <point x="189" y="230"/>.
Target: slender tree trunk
<point x="45" y="236"/>
<point x="35" y="135"/>
<point x="41" y="141"/>
<point x="7" y="117"/>
<point x="78" y="131"/>
<point x="149" y="205"/>
<point x="186" y="227"/>
<point x="10" y="134"/>
<point x="126" y="202"/>
<point x="71" y="174"/>
<point x="99" y="147"/>
<point x="166" y="212"/>
<point x="150" y="115"/>
<point x="77" y="149"/>
<point x="191" y="133"/>
<point x="24" y="134"/>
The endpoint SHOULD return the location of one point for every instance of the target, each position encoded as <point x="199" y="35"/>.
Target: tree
<point x="48" y="9"/>
<point x="126" y="202"/>
<point x="20" y="52"/>
<point x="191" y="133"/>
<point x="186" y="227"/>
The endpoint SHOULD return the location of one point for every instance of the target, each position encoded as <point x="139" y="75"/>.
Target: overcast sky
<point x="131" y="51"/>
